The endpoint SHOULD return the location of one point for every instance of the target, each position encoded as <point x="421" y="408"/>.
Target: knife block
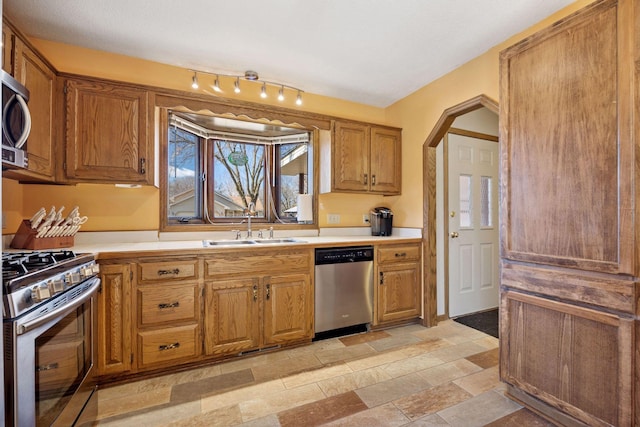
<point x="25" y="238"/>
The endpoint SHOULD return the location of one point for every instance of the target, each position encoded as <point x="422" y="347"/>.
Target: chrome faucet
<point x="250" y="212"/>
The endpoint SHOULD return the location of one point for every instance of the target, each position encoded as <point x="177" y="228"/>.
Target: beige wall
<point x="111" y="208"/>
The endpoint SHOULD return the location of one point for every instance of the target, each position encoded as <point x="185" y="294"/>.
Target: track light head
<point x="216" y="85"/>
<point x="299" y="98"/>
<point x="263" y="91"/>
<point x="236" y="85"/>
<point x="281" y="94"/>
<point x="194" y="80"/>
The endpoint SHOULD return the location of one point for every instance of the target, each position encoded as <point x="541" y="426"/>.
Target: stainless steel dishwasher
<point x="344" y="287"/>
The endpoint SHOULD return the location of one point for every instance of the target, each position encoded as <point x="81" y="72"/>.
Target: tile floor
<point x="406" y="376"/>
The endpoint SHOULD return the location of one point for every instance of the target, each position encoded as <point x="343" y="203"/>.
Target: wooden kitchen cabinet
<point x="232" y="316"/>
<point x="39" y="77"/>
<point x="168" y="307"/>
<point x="270" y="306"/>
<point x="8" y="36"/>
<point x="365" y="158"/>
<point x="107" y="133"/>
<point x="397" y="283"/>
<point x="569" y="223"/>
<point x="114" y="335"/>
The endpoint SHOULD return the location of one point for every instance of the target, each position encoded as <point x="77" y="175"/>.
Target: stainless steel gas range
<point x="49" y="303"/>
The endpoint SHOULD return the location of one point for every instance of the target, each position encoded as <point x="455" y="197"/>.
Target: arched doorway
<point x="429" y="197"/>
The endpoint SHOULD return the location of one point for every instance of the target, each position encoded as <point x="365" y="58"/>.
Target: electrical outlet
<point x="365" y="218"/>
<point x="333" y="219"/>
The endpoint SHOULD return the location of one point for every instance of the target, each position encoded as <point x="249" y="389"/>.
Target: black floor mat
<point x="486" y="321"/>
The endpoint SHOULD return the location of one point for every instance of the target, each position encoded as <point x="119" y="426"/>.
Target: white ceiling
<point x="373" y="52"/>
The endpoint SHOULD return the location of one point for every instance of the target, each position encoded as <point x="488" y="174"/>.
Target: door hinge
<point x="143" y="166"/>
<point x="66" y="89"/>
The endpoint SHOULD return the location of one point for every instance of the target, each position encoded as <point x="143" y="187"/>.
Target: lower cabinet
<point x="113" y="350"/>
<point x="168" y="323"/>
<point x="158" y="312"/>
<point x="231" y="316"/>
<point x="397" y="283"/>
<point x="268" y="308"/>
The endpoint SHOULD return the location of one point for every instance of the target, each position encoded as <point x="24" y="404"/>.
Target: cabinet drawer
<point x="168" y="344"/>
<point x="168" y="270"/>
<point x="247" y="262"/>
<point x="168" y="303"/>
<point x="398" y="253"/>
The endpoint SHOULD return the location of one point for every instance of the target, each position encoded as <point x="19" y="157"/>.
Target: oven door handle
<point x="63" y="310"/>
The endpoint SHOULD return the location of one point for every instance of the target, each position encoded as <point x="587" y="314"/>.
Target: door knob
<point x="454" y="234"/>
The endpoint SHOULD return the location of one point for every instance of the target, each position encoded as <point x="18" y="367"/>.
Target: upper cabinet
<point x="30" y="69"/>
<point x="107" y="133"/>
<point x="364" y="159"/>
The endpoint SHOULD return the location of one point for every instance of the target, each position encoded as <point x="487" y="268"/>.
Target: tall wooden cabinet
<point x="569" y="263"/>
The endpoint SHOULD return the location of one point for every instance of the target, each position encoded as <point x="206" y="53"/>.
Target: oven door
<point x="53" y="363"/>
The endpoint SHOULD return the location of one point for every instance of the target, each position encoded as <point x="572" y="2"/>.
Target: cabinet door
<point x="7" y="48"/>
<point x="36" y="76"/>
<point x="386" y="160"/>
<point x="232" y="316"/>
<point x="567" y="141"/>
<point x="288" y="308"/>
<point x="350" y="157"/>
<point x="114" y="320"/>
<point x="106" y="133"/>
<point x="398" y="289"/>
<point x="575" y="359"/>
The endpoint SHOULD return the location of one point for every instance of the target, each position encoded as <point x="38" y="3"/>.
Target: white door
<point x="473" y="224"/>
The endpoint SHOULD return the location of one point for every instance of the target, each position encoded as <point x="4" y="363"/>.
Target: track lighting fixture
<point x="250" y="76"/>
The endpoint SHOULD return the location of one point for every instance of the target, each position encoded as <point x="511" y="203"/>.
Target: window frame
<point x="278" y="116"/>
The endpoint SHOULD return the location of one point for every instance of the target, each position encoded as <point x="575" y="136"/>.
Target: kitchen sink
<point x="206" y="243"/>
<point x="272" y="241"/>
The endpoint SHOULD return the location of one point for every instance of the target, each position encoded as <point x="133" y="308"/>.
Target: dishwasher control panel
<point x="344" y="254"/>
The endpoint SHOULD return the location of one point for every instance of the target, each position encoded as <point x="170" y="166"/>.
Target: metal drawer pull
<point x="169" y="305"/>
<point x="49" y="367"/>
<point x="401" y="254"/>
<point x="169" y="346"/>
<point x="165" y="272"/>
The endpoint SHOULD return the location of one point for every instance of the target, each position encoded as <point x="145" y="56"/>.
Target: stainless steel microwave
<point x="16" y="122"/>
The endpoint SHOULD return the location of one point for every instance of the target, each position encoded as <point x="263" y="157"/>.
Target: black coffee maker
<point x="381" y="220"/>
